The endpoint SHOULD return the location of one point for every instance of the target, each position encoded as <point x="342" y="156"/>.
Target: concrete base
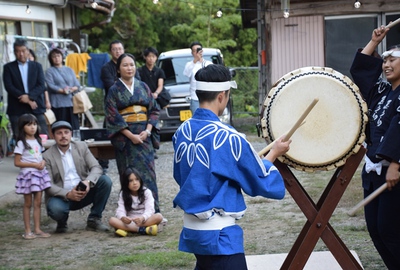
<point x="8" y="175"/>
<point x="317" y="261"/>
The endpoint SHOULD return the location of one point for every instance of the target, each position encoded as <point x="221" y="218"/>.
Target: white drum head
<point x="333" y="130"/>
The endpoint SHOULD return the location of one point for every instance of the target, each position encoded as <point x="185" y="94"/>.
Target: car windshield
<point x="173" y="68"/>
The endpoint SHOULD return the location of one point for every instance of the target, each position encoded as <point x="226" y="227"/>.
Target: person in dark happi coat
<point x="382" y="161"/>
<point x="131" y="113"/>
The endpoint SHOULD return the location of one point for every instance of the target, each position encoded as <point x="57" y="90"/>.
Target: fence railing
<point x="245" y="97"/>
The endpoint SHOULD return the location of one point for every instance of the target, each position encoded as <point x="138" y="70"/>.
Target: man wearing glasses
<point x="109" y="70"/>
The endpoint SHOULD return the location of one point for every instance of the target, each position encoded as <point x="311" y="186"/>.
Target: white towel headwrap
<point x="215" y="86"/>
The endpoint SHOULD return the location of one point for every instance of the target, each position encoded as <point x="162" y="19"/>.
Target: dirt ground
<point x="270" y="226"/>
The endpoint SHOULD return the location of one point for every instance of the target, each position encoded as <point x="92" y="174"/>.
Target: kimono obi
<point x="134" y="113"/>
<point x="216" y="222"/>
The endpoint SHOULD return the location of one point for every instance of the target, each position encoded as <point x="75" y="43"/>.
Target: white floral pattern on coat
<point x="196" y="150"/>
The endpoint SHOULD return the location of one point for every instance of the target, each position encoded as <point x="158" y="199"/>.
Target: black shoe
<point x="95" y="224"/>
<point x="61" y="227"/>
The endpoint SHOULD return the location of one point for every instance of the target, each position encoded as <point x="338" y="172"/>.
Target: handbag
<point x="50" y="117"/>
<point x="163" y="98"/>
<point x="155" y="138"/>
<point x="81" y="102"/>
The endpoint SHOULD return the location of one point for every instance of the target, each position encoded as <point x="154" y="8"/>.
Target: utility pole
<point x="263" y="53"/>
<point x="209" y="25"/>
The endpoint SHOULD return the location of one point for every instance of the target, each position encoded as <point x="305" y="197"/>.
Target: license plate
<point x="185" y="115"/>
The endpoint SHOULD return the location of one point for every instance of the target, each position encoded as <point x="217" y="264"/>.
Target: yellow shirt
<point x="78" y="62"/>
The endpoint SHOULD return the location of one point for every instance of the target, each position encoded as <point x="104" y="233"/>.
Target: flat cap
<point x="61" y="124"/>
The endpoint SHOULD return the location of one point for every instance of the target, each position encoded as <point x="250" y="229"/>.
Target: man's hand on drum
<point x="392" y="175"/>
<point x="278" y="149"/>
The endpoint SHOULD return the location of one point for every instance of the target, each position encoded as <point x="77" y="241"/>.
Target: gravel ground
<point x="270" y="226"/>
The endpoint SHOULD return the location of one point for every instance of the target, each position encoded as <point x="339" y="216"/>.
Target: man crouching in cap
<point x="77" y="180"/>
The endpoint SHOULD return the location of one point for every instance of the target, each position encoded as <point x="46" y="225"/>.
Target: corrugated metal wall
<point x="296" y="42"/>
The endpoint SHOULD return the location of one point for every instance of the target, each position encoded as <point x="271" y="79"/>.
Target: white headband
<point x="215" y="86"/>
<point x="391" y="53"/>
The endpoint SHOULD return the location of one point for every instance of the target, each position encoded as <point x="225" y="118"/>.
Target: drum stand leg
<point x="318" y="215"/>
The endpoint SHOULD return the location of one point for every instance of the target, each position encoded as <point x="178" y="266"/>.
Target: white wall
<point x="17" y="12"/>
<point x="41" y="13"/>
<point x="64" y="18"/>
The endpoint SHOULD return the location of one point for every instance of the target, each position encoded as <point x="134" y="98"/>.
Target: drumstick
<point x="369" y="198"/>
<point x="393" y="23"/>
<point x="293" y="129"/>
<point x="269" y="146"/>
<point x="300" y="120"/>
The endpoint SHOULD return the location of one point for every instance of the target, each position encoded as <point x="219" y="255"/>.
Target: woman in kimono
<point x="131" y="113"/>
<point x="382" y="161"/>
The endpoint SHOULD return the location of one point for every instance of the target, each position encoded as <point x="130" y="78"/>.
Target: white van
<point x="173" y="64"/>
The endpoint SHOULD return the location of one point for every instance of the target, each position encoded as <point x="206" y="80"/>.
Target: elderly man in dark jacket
<point x="24" y="83"/>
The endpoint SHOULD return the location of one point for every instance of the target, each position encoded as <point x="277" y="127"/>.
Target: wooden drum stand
<point x="318" y="215"/>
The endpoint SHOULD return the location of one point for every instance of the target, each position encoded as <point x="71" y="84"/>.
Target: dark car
<point x="173" y="63"/>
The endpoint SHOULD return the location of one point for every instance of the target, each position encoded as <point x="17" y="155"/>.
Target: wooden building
<point x="46" y="24"/>
<point x="317" y="33"/>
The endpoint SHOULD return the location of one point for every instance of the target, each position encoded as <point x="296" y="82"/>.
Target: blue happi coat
<point x="213" y="163"/>
<point x="384" y="108"/>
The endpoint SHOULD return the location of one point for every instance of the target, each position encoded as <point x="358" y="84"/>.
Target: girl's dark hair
<point x="119" y="60"/>
<point x="24" y="120"/>
<point x="54" y="51"/>
<point x="126" y="193"/>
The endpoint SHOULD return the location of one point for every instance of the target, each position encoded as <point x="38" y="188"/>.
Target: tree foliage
<point x="174" y="24"/>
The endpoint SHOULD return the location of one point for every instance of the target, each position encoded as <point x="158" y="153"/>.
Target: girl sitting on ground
<point x="33" y="177"/>
<point x="135" y="212"/>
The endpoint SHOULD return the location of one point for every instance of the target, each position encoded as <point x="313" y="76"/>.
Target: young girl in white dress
<point x="135" y="212"/>
<point x="33" y="177"/>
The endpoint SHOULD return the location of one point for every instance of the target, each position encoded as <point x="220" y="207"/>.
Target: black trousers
<point x="67" y="114"/>
<point x="382" y="215"/>
<point x="221" y="262"/>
